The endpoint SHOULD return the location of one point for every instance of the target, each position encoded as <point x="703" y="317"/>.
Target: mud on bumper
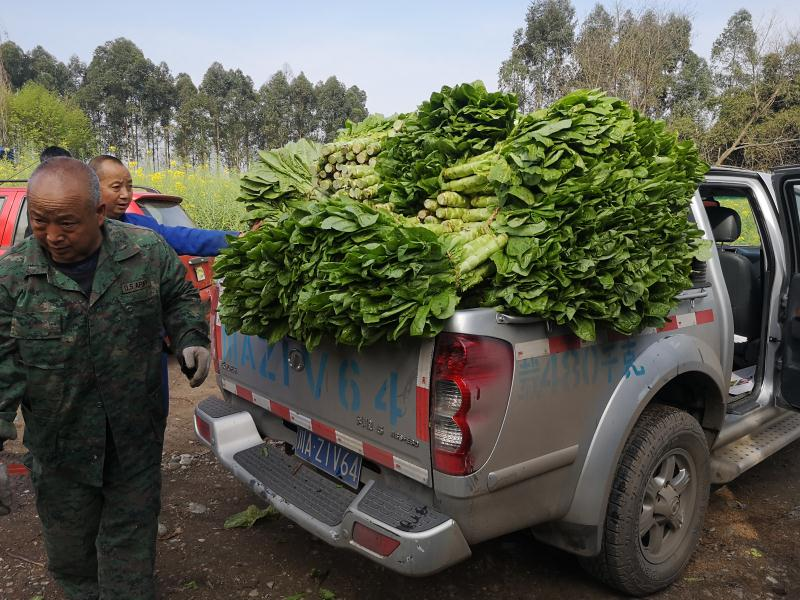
<point x="429" y="541"/>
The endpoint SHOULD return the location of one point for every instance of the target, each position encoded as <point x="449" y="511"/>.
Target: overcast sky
<point x="397" y="52"/>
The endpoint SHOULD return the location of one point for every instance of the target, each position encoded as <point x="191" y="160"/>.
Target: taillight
<point x="203" y="429"/>
<point x="452" y="437"/>
<point x="373" y="540"/>
<point x="470" y="386"/>
<point x="17" y="469"/>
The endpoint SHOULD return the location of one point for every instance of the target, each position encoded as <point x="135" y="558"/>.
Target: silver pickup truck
<point x="409" y="453"/>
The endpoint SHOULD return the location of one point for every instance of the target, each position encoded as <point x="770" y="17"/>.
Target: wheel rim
<point x="668" y="506"/>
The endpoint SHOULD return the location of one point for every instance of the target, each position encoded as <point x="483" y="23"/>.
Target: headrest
<point x="726" y="224"/>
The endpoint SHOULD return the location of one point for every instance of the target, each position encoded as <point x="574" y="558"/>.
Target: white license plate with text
<point x="331" y="458"/>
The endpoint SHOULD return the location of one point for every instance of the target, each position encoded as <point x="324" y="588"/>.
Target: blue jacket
<point x="184" y="240"/>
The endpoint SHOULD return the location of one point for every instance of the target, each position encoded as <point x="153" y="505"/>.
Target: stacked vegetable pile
<point x="337" y="268"/>
<point x="455" y="124"/>
<point x="348" y="164"/>
<point x="576" y="213"/>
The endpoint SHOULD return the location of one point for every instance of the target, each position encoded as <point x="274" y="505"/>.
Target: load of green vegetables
<point x="576" y="213"/>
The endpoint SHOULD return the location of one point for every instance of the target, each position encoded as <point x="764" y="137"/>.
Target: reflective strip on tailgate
<point x="373" y="402"/>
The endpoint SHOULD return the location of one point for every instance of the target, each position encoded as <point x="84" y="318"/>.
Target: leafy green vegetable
<point x="455" y="123"/>
<point x="340" y="268"/>
<point x="280" y="175"/>
<point x="595" y="200"/>
<point x="249" y="516"/>
<point x="371" y="125"/>
<point x="348" y="164"/>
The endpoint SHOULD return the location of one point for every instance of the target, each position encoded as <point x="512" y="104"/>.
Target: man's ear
<point x="100" y="212"/>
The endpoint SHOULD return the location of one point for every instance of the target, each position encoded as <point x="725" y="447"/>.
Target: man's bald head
<point x="99" y="162"/>
<point x="63" y="167"/>
<point x="116" y="184"/>
<point x="64" y="209"/>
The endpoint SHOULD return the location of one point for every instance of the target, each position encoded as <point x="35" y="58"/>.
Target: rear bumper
<point x="429" y="541"/>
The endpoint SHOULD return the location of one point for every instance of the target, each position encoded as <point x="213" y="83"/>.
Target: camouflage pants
<point x="101" y="541"/>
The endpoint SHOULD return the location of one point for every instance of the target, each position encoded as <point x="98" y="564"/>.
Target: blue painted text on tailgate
<point x="239" y="352"/>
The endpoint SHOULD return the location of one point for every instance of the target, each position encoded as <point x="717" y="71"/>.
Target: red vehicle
<point x="163" y="208"/>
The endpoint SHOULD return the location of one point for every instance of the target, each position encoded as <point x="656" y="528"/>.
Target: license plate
<point x="329" y="457"/>
<point x="200" y="273"/>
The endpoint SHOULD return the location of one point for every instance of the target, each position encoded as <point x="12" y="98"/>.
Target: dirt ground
<point x="749" y="548"/>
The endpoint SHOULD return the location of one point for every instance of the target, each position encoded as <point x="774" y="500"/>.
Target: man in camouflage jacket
<point x="82" y="306"/>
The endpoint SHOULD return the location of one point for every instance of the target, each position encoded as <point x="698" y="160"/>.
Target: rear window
<point x="166" y="213"/>
<point x="749" y="235"/>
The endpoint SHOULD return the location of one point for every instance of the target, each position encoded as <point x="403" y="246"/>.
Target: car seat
<point x="743" y="283"/>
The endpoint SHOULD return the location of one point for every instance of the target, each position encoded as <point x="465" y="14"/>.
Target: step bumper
<point x="427" y="541"/>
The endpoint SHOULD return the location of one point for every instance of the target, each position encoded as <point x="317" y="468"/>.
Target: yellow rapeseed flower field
<point x="209" y="195"/>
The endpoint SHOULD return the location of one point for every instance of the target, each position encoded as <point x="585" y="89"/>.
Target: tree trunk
<point x="5" y="92"/>
<point x="758" y="112"/>
<point x="136" y="141"/>
<point x="166" y="145"/>
<point x="216" y="142"/>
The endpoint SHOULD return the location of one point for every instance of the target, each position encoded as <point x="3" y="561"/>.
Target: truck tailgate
<point x="373" y="402"/>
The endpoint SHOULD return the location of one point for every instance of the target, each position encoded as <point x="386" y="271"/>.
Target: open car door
<point x="786" y="182"/>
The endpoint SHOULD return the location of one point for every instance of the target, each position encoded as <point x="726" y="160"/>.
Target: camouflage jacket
<point x="75" y="363"/>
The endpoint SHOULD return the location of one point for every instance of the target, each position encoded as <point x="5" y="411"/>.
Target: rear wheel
<point x="657" y="503"/>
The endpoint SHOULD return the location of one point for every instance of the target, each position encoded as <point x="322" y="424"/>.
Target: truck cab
<point x="409" y="453"/>
<point x="12" y="198"/>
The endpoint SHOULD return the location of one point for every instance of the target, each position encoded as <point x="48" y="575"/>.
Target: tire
<point x="657" y="503"/>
